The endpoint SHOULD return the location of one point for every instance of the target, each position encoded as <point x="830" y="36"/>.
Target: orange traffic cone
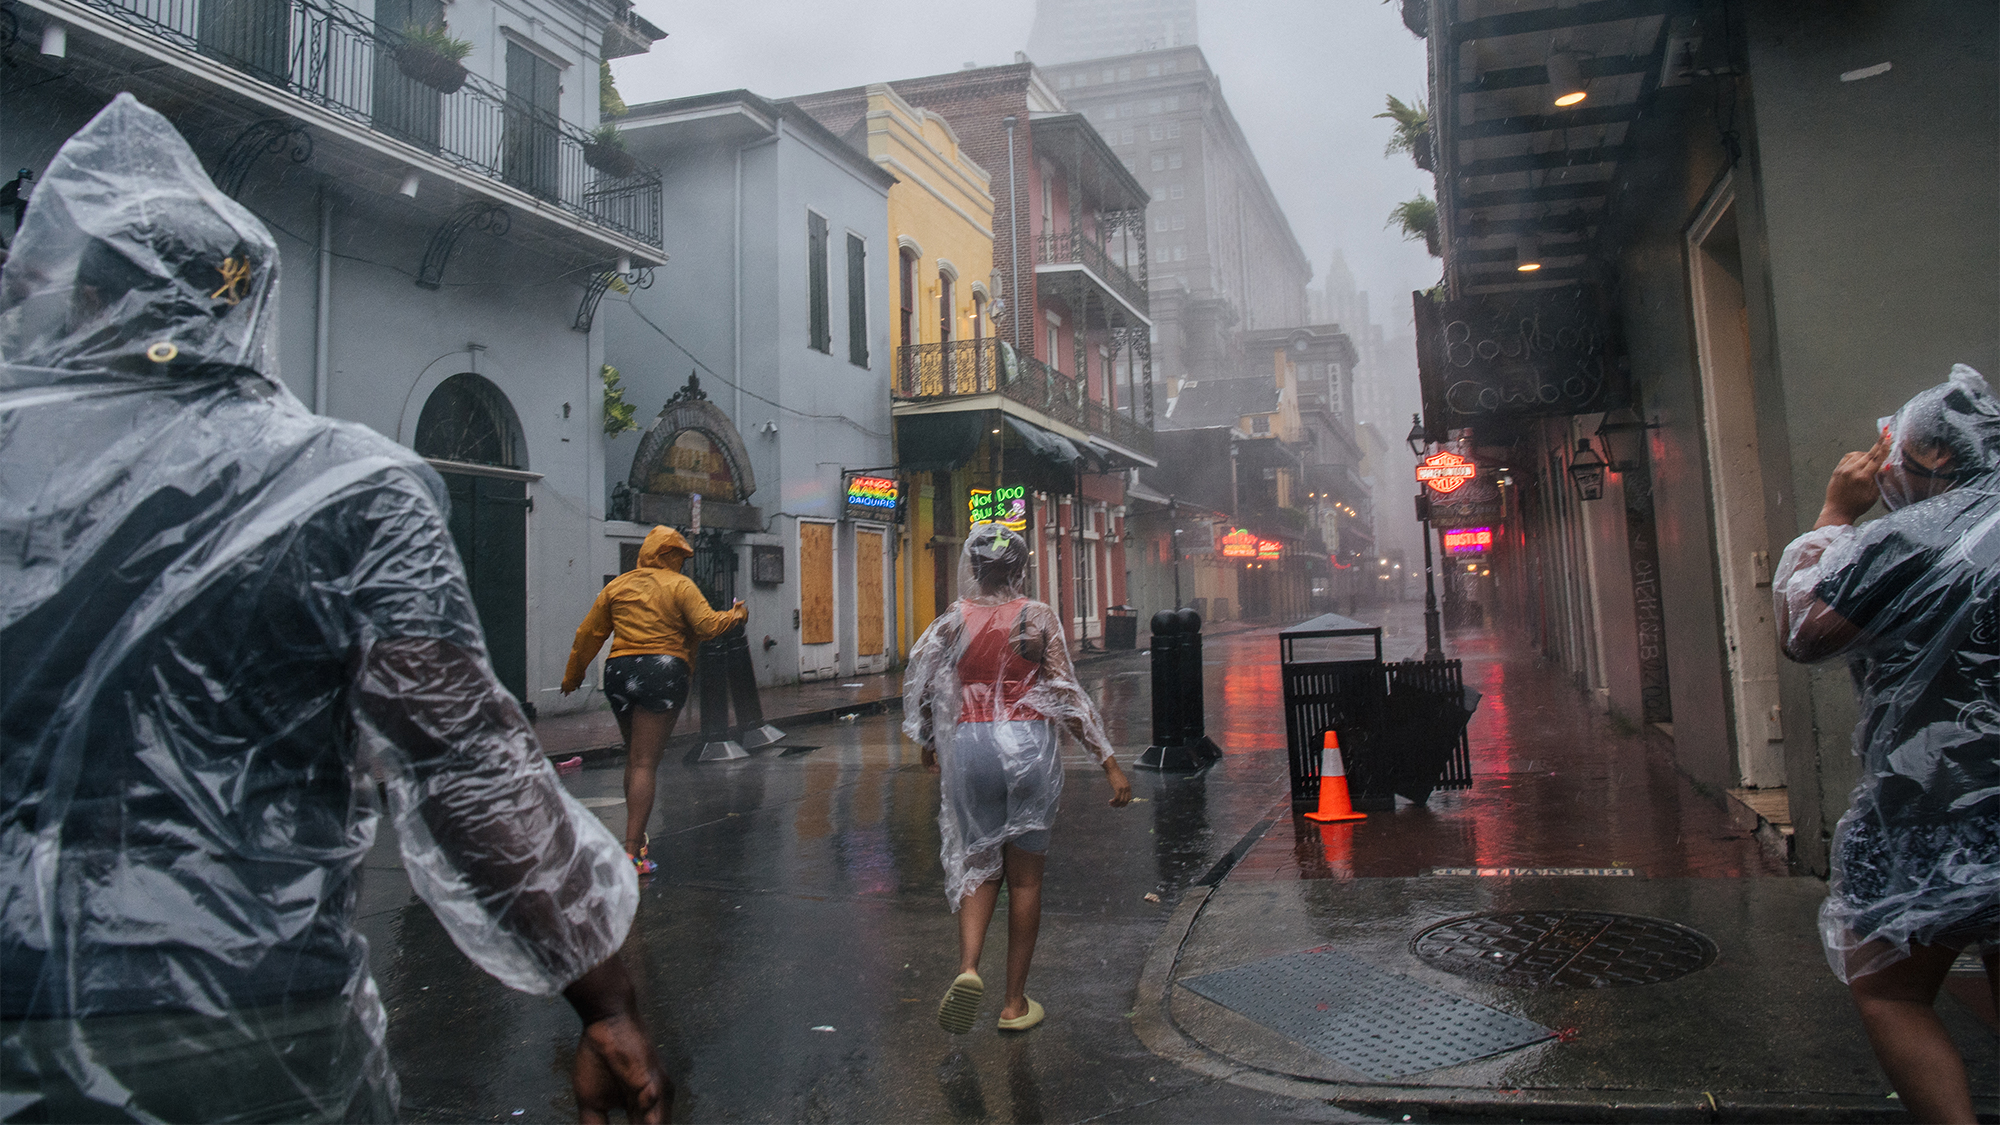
<point x="1333" y="802"/>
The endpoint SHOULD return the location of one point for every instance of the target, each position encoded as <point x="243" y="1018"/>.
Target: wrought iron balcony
<point x="1072" y="248"/>
<point x="976" y="367"/>
<point x="347" y="64"/>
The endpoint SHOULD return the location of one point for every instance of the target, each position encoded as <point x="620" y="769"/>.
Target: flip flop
<point x="960" y="1005"/>
<point x="1026" y="1019"/>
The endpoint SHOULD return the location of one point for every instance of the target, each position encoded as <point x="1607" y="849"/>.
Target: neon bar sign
<point x="1269" y="548"/>
<point x="1006" y="506"/>
<point x="1237" y="544"/>
<point x="871" y="497"/>
<point x="1469" y="540"/>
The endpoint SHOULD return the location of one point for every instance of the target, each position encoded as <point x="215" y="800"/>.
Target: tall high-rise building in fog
<point x="1070" y="30"/>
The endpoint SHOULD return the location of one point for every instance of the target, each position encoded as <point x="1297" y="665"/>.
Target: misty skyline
<point x="1303" y="79"/>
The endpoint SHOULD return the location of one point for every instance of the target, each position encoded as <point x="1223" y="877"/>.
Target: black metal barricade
<point x="1401" y="726"/>
<point x="1429" y="709"/>
<point x="1180" y="736"/>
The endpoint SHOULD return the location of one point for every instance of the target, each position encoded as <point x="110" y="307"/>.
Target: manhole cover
<point x="1564" y="949"/>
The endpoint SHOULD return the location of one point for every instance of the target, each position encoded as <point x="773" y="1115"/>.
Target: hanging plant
<point x="609" y="103"/>
<point x="428" y="54"/>
<point x="618" y="414"/>
<point x="1413" y="130"/>
<point x="605" y="151"/>
<point x="1418" y="219"/>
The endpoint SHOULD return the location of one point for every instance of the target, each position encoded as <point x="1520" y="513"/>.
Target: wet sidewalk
<point x="1581" y="935"/>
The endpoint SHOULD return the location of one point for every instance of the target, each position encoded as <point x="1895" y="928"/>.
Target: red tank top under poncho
<point x="990" y="665"/>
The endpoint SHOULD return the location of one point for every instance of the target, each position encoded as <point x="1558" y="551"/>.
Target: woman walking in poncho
<point x="1913" y="600"/>
<point x="992" y="680"/>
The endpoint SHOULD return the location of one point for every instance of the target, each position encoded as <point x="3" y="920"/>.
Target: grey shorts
<point x="992" y="800"/>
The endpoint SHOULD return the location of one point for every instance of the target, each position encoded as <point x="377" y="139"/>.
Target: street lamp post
<point x="1433" y="640"/>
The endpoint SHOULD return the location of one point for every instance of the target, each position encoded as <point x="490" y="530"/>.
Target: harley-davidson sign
<point x="1445" y="472"/>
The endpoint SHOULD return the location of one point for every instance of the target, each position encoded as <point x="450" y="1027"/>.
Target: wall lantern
<point x="1586" y="468"/>
<point x="1566" y="85"/>
<point x="1527" y="253"/>
<point x="1416" y="438"/>
<point x="1621" y="436"/>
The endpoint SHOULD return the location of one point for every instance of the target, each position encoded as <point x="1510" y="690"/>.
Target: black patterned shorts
<point x="655" y="681"/>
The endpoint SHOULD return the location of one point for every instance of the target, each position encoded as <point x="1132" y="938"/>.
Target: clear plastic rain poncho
<point x="1913" y="599"/>
<point x="993" y="683"/>
<point x="221" y="617"/>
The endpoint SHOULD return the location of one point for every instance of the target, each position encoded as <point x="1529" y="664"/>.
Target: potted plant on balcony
<point x="605" y="151"/>
<point x="429" y="55"/>
<point x="1413" y="131"/>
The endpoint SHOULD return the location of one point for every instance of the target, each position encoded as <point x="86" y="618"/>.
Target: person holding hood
<point x="657" y="618"/>
<point x="1913" y="600"/>
<point x="992" y="684"/>
<point x="222" y="619"/>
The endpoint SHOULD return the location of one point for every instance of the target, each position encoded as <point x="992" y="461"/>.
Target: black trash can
<point x="1121" y="628"/>
<point x="1331" y="668"/>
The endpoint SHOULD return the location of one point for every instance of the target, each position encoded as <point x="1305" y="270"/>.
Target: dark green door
<point x="254" y="36"/>
<point x="534" y="94"/>
<point x="489" y="526"/>
<point x="405" y="107"/>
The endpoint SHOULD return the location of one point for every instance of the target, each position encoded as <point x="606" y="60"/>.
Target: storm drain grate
<point x="1381" y="1024"/>
<point x="1564" y="949"/>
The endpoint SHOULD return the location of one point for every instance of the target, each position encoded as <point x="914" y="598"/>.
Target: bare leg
<point x="1910" y="1042"/>
<point x="1024" y="924"/>
<point x="646" y="734"/>
<point x="975" y="911"/>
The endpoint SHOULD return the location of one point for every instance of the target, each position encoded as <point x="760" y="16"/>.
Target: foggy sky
<point x="1303" y="78"/>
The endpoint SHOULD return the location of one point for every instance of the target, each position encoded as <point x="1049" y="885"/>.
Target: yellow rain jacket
<point x="651" y="609"/>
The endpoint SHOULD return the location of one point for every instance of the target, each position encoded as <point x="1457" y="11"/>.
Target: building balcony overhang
<point x="970" y="375"/>
<point x="576" y="216"/>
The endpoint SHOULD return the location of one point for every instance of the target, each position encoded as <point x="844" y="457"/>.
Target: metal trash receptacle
<point x="1332" y="672"/>
<point x="1121" y="628"/>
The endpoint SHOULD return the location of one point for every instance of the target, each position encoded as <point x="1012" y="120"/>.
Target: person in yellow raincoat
<point x="656" y="617"/>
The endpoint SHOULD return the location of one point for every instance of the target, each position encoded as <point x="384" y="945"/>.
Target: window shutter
<point x="857" y="301"/>
<point x="821" y="332"/>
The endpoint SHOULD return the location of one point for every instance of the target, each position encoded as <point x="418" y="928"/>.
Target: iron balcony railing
<point x="346" y="63"/>
<point x="1071" y="248"/>
<point x="972" y="367"/>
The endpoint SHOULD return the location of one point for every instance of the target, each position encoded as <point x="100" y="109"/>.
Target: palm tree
<point x="1413" y="130"/>
<point x="1419" y="219"/>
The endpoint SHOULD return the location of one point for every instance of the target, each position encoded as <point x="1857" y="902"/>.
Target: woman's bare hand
<point x="930" y="758"/>
<point x="1121" y="787"/>
<point x="1852" y="489"/>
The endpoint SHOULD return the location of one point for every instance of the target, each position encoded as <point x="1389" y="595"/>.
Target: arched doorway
<point x="471" y="435"/>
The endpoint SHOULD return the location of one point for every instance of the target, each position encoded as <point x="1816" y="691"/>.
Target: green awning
<point x="937" y="443"/>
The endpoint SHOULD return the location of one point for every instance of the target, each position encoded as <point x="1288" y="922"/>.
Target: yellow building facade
<point x="941" y="256"/>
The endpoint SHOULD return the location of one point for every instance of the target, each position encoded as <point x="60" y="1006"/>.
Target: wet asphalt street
<point x="792" y="947"/>
<point x="791" y="951"/>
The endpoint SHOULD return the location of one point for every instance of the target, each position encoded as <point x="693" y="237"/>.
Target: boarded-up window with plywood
<point x="816" y="583"/>
<point x="868" y="591"/>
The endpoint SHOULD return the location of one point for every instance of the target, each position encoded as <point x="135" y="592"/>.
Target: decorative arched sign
<point x="693" y="449"/>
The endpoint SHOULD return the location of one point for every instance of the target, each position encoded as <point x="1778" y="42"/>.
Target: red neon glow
<point x="1469" y="540"/>
<point x="1269" y="548"/>
<point x="1445" y="471"/>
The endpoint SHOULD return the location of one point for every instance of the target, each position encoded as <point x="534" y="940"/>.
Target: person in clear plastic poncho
<point x="1913" y="599"/>
<point x="220" y="618"/>
<point x="993" y="683"/>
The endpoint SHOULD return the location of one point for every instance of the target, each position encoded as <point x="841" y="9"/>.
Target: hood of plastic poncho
<point x="991" y="549"/>
<point x="665" y="547"/>
<point x="1961" y="415"/>
<point x="133" y="263"/>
